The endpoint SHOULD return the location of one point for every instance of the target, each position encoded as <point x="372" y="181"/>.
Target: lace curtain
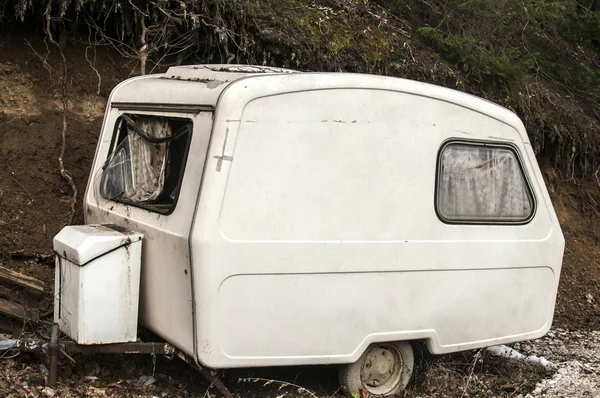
<point x="136" y="169"/>
<point x="482" y="183"/>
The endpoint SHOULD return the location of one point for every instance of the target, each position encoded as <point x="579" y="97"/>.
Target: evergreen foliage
<point x="540" y="58"/>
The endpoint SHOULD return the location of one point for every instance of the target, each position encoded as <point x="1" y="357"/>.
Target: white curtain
<point x="482" y="183"/>
<point x="148" y="160"/>
<point x="136" y="169"/>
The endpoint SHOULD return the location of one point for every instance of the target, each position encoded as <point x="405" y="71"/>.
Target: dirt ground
<point x="34" y="199"/>
<point x="35" y="204"/>
<point x="576" y="204"/>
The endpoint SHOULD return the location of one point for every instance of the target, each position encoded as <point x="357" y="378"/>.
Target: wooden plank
<point x="20" y="295"/>
<point x="32" y="285"/>
<point x="19" y="298"/>
<point x="12" y="310"/>
<point x="8" y="293"/>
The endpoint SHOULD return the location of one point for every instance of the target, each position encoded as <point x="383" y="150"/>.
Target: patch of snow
<point x="577" y="357"/>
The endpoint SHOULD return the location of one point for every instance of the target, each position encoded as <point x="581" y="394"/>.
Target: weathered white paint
<point x="97" y="284"/>
<point x="312" y="232"/>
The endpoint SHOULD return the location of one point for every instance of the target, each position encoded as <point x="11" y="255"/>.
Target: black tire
<point x="351" y="377"/>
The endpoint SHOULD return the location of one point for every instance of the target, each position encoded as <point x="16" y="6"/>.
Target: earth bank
<point x="35" y="204"/>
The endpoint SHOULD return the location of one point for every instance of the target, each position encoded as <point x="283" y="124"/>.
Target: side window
<point x="482" y="183"/>
<point x="146" y="165"/>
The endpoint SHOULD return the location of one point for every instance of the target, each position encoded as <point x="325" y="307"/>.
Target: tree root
<point x="64" y="100"/>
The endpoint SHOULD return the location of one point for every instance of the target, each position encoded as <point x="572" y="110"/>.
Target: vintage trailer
<point x="323" y="218"/>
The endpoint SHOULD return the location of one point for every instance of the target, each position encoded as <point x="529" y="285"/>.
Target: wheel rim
<point x="381" y="369"/>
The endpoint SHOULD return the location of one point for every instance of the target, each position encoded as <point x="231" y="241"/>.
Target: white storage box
<point x="97" y="283"/>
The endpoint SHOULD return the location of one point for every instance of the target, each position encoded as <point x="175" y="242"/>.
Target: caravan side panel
<point x="317" y="233"/>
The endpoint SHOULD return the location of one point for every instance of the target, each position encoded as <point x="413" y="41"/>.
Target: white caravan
<point x="296" y="218"/>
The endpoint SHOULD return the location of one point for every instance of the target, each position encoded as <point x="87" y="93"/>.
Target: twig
<point x="591" y="198"/>
<point x="144" y="49"/>
<point x="572" y="202"/>
<point x="595" y="210"/>
<point x="593" y="203"/>
<point x="64" y="99"/>
<point x="512" y="394"/>
<point x="475" y="359"/>
<point x="214" y="380"/>
<point x="138" y="9"/>
<point x="92" y="65"/>
<point x="18" y="183"/>
<point x="207" y="390"/>
<point x="44" y="59"/>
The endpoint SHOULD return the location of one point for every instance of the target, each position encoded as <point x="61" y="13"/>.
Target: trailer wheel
<point x="383" y="370"/>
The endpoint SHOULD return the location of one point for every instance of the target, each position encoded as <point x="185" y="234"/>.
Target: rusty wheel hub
<point x="380" y="370"/>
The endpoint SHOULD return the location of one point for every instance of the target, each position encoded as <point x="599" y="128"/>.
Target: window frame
<point x="475" y="221"/>
<point x="113" y="145"/>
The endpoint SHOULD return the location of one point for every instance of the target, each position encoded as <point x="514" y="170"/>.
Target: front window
<point x="482" y="183"/>
<point x="146" y="166"/>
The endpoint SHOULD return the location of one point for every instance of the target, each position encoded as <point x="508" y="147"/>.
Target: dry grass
<point x="472" y="374"/>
